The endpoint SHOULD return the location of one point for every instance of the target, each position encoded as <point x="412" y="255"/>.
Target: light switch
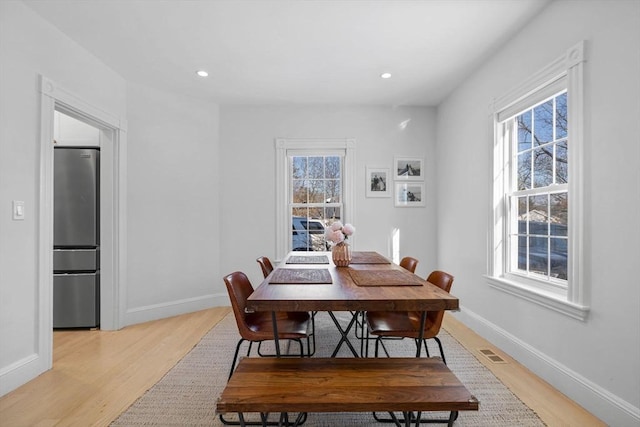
<point x="18" y="210"/>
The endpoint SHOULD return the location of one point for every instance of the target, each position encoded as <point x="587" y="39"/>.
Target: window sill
<point x="546" y="299"/>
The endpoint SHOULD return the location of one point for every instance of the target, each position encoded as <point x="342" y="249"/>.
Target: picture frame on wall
<point x="408" y="168"/>
<point x="409" y="194"/>
<point x="378" y="182"/>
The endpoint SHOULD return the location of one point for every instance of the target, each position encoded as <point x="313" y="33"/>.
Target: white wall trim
<point x="597" y="400"/>
<point x="113" y="221"/>
<point x="536" y="295"/>
<point x="566" y="71"/>
<point x="49" y="88"/>
<point x="174" y="308"/>
<point x="14" y="375"/>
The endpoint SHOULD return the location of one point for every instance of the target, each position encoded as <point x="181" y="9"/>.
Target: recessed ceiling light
<point x="385" y="75"/>
<point x="202" y="73"/>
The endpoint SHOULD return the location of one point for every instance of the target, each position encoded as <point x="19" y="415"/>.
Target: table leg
<point x="423" y="321"/>
<point x="275" y="333"/>
<point x="343" y="333"/>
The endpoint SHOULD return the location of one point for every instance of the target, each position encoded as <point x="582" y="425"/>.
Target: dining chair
<point x="409" y="263"/>
<point x="406" y="324"/>
<point x="265" y="265"/>
<point x="267" y="268"/>
<point x="257" y="326"/>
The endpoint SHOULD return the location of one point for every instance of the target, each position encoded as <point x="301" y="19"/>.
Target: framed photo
<point x="378" y="182"/>
<point x="408" y="168"/>
<point x="409" y="194"/>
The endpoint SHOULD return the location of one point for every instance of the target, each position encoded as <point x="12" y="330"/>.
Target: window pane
<point x="543" y="166"/>
<point x="301" y="212"/>
<point x="333" y="189"/>
<point x="562" y="175"/>
<point x="559" y="214"/>
<point x="300" y="191"/>
<point x="522" y="253"/>
<point x="299" y="167"/>
<point x="543" y="123"/>
<point x="538" y="254"/>
<point x="523" y="215"/>
<point x="561" y="116"/>
<point x="316" y="167"/>
<point x="332" y="214"/>
<point x="524" y="131"/>
<point x="332" y="167"/>
<point x="524" y="171"/>
<point x="316" y="191"/>
<point x="307" y="234"/>
<point x="538" y="215"/>
<point x="558" y="258"/>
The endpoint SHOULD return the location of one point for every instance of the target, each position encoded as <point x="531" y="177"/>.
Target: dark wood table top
<point x="346" y="294"/>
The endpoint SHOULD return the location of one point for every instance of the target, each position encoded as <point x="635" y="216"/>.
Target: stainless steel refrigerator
<point x="76" y="237"/>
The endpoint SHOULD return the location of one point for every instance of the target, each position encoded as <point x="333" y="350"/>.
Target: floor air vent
<point x="489" y="354"/>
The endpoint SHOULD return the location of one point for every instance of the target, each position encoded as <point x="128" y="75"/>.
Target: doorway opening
<point x="111" y="137"/>
<point x="76" y="223"/>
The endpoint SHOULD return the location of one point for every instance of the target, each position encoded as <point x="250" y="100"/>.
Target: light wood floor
<point x="96" y="375"/>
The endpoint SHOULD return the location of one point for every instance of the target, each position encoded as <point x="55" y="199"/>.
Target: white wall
<point x="30" y="46"/>
<point x="247" y="141"/>
<point x="173" y="207"/>
<point x="595" y="362"/>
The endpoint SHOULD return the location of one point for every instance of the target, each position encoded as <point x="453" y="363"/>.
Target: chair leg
<point x="441" y="351"/>
<point x="313" y="335"/>
<point x="301" y="348"/>
<point x="379" y="341"/>
<point x="426" y="347"/>
<point x="235" y="357"/>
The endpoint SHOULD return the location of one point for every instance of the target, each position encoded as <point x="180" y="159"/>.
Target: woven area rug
<point x="187" y="394"/>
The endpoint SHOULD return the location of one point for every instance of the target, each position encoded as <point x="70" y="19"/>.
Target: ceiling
<point x="288" y="52"/>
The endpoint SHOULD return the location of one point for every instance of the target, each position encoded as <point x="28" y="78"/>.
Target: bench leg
<point x="452" y="417"/>
<point x="409" y="417"/>
<point x="264" y="420"/>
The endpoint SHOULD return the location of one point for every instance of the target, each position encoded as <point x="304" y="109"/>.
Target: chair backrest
<point x="239" y="288"/>
<point x="441" y="279"/>
<point x="434" y="318"/>
<point x="265" y="265"/>
<point x="409" y="263"/>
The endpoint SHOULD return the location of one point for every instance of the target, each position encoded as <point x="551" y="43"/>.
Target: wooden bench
<point x="303" y="385"/>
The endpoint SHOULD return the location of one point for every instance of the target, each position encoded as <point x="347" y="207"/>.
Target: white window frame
<point x="286" y="147"/>
<point x="566" y="72"/>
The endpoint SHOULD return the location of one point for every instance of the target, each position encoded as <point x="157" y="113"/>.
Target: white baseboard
<point x="174" y="308"/>
<point x="21" y="372"/>
<point x="603" y="404"/>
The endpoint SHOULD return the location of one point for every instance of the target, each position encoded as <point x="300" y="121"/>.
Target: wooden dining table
<point x="309" y="281"/>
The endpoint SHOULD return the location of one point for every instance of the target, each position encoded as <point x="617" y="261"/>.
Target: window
<point x="315" y="198"/>
<point x="314" y="188"/>
<point x="536" y="248"/>
<point x="538" y="202"/>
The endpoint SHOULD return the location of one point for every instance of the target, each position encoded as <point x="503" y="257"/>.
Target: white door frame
<point x="112" y="210"/>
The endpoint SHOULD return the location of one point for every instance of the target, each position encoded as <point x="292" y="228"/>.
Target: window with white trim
<point x="536" y="228"/>
<point x="314" y="187"/>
